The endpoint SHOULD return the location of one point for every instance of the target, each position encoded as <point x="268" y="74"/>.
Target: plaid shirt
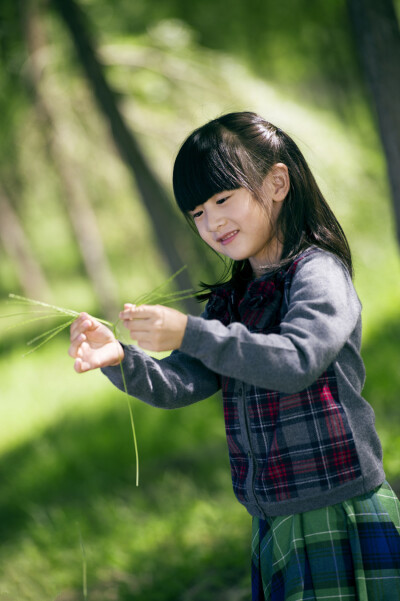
<point x="281" y="446"/>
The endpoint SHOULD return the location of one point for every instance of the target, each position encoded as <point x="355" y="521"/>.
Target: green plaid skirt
<point x="349" y="552"/>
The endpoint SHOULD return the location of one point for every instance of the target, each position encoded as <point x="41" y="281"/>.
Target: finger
<point x="141" y="312"/>
<point x="81" y="324"/>
<point x="75" y="345"/>
<point x="81" y="366"/>
<point x="127" y="311"/>
<point x="146" y="344"/>
<point x="137" y="325"/>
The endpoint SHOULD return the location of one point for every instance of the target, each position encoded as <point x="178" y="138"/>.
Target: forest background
<point x="95" y="99"/>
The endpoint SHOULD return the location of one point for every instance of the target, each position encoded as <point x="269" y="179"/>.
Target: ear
<point x="279" y="182"/>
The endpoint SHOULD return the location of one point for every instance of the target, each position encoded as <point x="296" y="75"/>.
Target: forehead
<point x="203" y="169"/>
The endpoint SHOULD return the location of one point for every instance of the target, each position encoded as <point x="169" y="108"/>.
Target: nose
<point x="214" y="220"/>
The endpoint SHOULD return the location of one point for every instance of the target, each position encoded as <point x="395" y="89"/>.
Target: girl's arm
<point x="323" y="312"/>
<point x="169" y="383"/>
<point x="172" y="382"/>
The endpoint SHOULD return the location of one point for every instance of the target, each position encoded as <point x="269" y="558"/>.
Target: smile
<point x="228" y="237"/>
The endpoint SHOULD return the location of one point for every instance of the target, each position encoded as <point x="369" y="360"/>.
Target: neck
<point x="269" y="259"/>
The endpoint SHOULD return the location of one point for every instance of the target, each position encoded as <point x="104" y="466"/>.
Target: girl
<point x="281" y="338"/>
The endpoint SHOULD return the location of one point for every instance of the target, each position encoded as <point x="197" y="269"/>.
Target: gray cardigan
<point x="310" y="360"/>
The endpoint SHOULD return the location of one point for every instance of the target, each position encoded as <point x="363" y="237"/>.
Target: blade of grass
<point x="153" y="297"/>
<point x="30" y="301"/>
<point x="41" y="312"/>
<point x="54" y="333"/>
<point x="45" y="334"/>
<point x="27" y="321"/>
<point x="142" y="300"/>
<point x="178" y="293"/>
<point x="84" y="566"/>
<point x="176" y="299"/>
<point x="62" y="310"/>
<point x="130" y="410"/>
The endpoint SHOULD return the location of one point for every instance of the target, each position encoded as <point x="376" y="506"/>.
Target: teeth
<point x="229" y="235"/>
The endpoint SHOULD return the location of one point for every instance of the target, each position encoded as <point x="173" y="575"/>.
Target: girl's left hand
<point x="154" y="327"/>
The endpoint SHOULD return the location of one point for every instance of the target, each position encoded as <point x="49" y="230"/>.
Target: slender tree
<point x="171" y="237"/>
<point x="76" y="199"/>
<point x="376" y="32"/>
<point x="17" y="246"/>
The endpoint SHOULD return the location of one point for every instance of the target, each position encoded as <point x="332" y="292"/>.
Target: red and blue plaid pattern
<point x="294" y="445"/>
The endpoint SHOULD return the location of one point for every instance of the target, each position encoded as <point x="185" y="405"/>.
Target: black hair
<point x="237" y="150"/>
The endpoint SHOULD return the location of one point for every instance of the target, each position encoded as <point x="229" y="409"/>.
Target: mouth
<point x="227" y="238"/>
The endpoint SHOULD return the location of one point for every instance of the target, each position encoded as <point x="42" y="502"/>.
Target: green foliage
<point x="67" y="460"/>
<point x="73" y="470"/>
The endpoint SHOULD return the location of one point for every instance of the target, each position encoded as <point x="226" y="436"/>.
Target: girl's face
<point x="236" y="225"/>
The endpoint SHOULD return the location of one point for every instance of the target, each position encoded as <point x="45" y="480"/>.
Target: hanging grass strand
<point x="45" y="311"/>
<point x="49" y="335"/>
<point x="55" y="330"/>
<point x="84" y="566"/>
<point x="129" y="409"/>
<point x="151" y="297"/>
<point x="29" y="321"/>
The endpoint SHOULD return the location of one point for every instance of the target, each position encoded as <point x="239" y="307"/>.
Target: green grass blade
<point x="178" y="299"/>
<point x="160" y="299"/>
<point x="30" y="301"/>
<point x="130" y="411"/>
<point x="156" y="296"/>
<point x="54" y="333"/>
<point x="84" y="566"/>
<point x="41" y="312"/>
<point x="143" y="300"/>
<point x="48" y="332"/>
<point x="27" y="321"/>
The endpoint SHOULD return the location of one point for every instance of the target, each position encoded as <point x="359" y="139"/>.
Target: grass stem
<point x="155" y="296"/>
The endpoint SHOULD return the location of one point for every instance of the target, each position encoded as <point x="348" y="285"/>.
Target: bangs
<point x="206" y="164"/>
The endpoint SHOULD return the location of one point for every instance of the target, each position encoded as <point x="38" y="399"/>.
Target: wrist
<point x="121" y="354"/>
<point x="183" y="329"/>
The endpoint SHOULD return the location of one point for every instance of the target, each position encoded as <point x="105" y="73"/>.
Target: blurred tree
<point x="13" y="236"/>
<point x="377" y="36"/>
<point x="306" y="47"/>
<point x="76" y="197"/>
<point x="18" y="248"/>
<point x="170" y="235"/>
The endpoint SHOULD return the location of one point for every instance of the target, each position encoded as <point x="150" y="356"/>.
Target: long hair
<point x="238" y="150"/>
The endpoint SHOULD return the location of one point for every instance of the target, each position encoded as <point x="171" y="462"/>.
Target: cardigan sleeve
<point x="169" y="383"/>
<point x="323" y="311"/>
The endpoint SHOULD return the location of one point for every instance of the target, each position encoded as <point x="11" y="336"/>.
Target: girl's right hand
<point x="93" y="345"/>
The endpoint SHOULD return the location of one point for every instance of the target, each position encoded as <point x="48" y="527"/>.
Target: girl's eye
<point x="222" y="200"/>
<point x="197" y="214"/>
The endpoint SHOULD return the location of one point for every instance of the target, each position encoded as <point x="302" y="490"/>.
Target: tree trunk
<point x="17" y="246"/>
<point x="376" y="31"/>
<point x="77" y="203"/>
<point x="170" y="231"/>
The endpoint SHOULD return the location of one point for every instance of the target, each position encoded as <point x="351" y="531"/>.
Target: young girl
<point x="281" y="338"/>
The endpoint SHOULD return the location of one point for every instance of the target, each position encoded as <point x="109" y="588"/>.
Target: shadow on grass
<point x="80" y="458"/>
<point x="83" y="460"/>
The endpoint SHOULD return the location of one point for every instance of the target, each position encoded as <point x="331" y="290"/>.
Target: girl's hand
<point x="93" y="345"/>
<point x="154" y="327"/>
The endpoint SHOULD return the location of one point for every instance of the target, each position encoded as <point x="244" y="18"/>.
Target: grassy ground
<point x="68" y="470"/>
<point x="68" y="474"/>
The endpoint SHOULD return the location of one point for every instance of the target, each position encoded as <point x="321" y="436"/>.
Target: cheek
<point x="204" y="235"/>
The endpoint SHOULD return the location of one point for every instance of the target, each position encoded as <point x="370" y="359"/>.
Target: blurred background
<point x="95" y="99"/>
